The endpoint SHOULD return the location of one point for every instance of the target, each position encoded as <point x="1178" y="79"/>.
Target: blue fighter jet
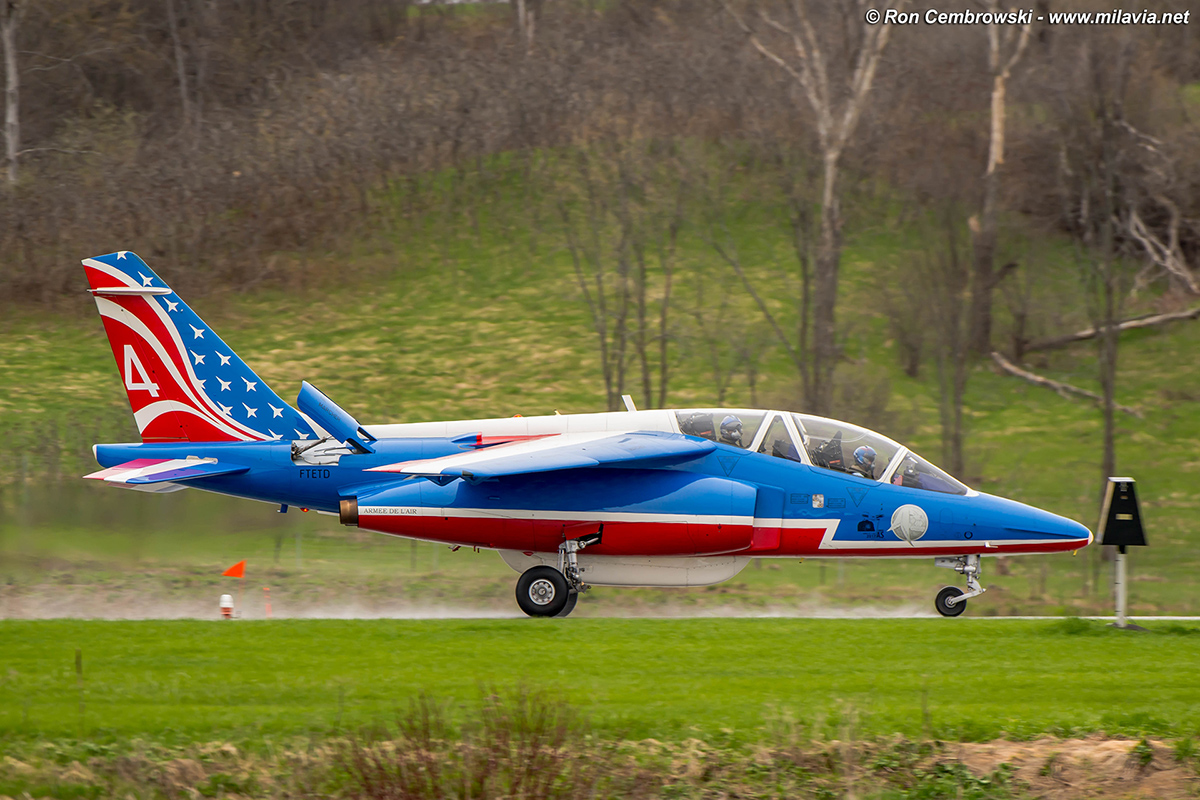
<point x="633" y="498"/>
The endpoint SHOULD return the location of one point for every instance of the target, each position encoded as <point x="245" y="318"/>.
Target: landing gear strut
<point x="544" y="591"/>
<point x="952" y="601"/>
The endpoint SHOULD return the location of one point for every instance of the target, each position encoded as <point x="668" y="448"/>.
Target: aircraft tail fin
<point x="184" y="383"/>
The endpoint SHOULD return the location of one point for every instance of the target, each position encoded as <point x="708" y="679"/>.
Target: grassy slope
<point x="454" y="316"/>
<point x="187" y="681"/>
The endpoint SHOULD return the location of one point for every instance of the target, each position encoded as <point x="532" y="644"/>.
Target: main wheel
<point x="572" y="599"/>
<point x="542" y="591"/>
<point x="942" y="604"/>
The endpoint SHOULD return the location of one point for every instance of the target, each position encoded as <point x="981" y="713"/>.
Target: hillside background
<point x="420" y="208"/>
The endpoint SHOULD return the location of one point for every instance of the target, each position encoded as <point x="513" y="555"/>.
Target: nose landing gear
<point x="951" y="600"/>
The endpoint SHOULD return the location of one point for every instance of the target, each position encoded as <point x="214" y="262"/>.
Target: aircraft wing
<point x="557" y="452"/>
<point x="148" y="471"/>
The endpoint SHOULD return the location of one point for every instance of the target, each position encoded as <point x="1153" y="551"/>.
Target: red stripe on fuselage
<point x="545" y="535"/>
<point x="663" y="538"/>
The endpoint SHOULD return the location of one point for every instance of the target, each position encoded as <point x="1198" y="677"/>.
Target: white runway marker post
<point x="1121" y="527"/>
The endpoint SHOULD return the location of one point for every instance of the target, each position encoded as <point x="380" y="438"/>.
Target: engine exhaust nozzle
<point x="348" y="512"/>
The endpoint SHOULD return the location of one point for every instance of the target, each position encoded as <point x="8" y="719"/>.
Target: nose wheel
<point x="948" y="602"/>
<point x="951" y="601"/>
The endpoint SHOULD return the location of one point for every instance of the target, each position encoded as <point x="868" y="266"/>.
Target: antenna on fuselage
<point x="628" y="400"/>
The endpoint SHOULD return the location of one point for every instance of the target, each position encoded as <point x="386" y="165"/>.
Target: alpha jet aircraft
<point x="631" y="498"/>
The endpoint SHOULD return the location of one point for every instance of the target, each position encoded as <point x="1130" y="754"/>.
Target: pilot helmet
<point x="865" y="456"/>
<point x="731" y="430"/>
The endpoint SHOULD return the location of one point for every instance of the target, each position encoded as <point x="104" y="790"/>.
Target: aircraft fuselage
<point x="729" y="502"/>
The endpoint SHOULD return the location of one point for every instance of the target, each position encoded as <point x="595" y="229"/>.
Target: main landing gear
<point x="951" y="600"/>
<point x="544" y="591"/>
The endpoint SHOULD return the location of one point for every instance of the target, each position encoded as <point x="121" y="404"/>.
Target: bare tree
<point x="1019" y="295"/>
<point x="180" y="66"/>
<point x="526" y="14"/>
<point x="930" y="307"/>
<point x="903" y="300"/>
<point x="837" y="102"/>
<point x="952" y="295"/>
<point x="1097" y="168"/>
<point x="661" y="235"/>
<point x="1004" y="51"/>
<point x="713" y="321"/>
<point x="11" y="12"/>
<point x="621" y="210"/>
<point x="719" y="197"/>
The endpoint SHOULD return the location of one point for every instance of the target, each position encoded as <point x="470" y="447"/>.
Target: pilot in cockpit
<point x="731" y="431"/>
<point x="864" y="462"/>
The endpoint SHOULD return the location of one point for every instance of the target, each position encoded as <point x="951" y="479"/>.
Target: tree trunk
<point x="1108" y="376"/>
<point x="949" y="306"/>
<point x="640" y="339"/>
<point x="958" y="462"/>
<point x="180" y="67"/>
<point x="621" y="331"/>
<point x="10" y="14"/>
<point x="984" y="239"/>
<point x="668" y="266"/>
<point x="825" y="285"/>
<point x="800" y="213"/>
<point x="1109" y="338"/>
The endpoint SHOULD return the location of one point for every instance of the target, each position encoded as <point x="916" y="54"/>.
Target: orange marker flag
<point x="238" y="570"/>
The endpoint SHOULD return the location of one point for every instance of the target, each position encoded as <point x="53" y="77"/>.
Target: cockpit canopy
<point x="819" y="442"/>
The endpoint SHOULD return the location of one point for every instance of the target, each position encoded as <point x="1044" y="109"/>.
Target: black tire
<point x="572" y="599"/>
<point x="542" y="592"/>
<point x="944" y="608"/>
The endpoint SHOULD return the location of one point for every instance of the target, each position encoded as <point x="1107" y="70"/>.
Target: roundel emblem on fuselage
<point x="909" y="522"/>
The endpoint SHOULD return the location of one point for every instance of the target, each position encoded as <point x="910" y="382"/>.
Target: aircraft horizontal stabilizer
<point x="148" y="471"/>
<point x="562" y="451"/>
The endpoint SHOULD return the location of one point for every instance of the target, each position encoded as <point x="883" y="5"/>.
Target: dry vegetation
<point x="216" y="140"/>
<point x="529" y="746"/>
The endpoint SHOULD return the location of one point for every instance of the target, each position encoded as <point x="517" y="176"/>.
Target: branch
<point x="1168" y="255"/>
<point x="813" y="47"/>
<point x="759" y="45"/>
<point x="1063" y="389"/>
<point x="61" y="62"/>
<point x="1129" y="324"/>
<point x="29" y="150"/>
<point x="864" y="75"/>
<point x="1016" y="54"/>
<point x="762" y="306"/>
<point x="803" y="76"/>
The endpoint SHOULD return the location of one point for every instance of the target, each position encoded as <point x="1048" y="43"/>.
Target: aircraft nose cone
<point x="1019" y="521"/>
<point x="1060" y="528"/>
<point x="1071" y="528"/>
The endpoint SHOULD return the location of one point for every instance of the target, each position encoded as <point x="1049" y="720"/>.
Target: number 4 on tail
<point x="132" y="363"/>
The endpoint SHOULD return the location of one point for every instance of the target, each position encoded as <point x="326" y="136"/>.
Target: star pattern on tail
<point x="191" y="344"/>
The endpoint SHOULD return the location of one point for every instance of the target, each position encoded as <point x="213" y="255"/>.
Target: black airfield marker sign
<point x="1121" y="526"/>
<point x="1120" y="519"/>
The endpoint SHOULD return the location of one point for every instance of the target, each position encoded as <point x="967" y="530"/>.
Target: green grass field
<point x="671" y="680"/>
